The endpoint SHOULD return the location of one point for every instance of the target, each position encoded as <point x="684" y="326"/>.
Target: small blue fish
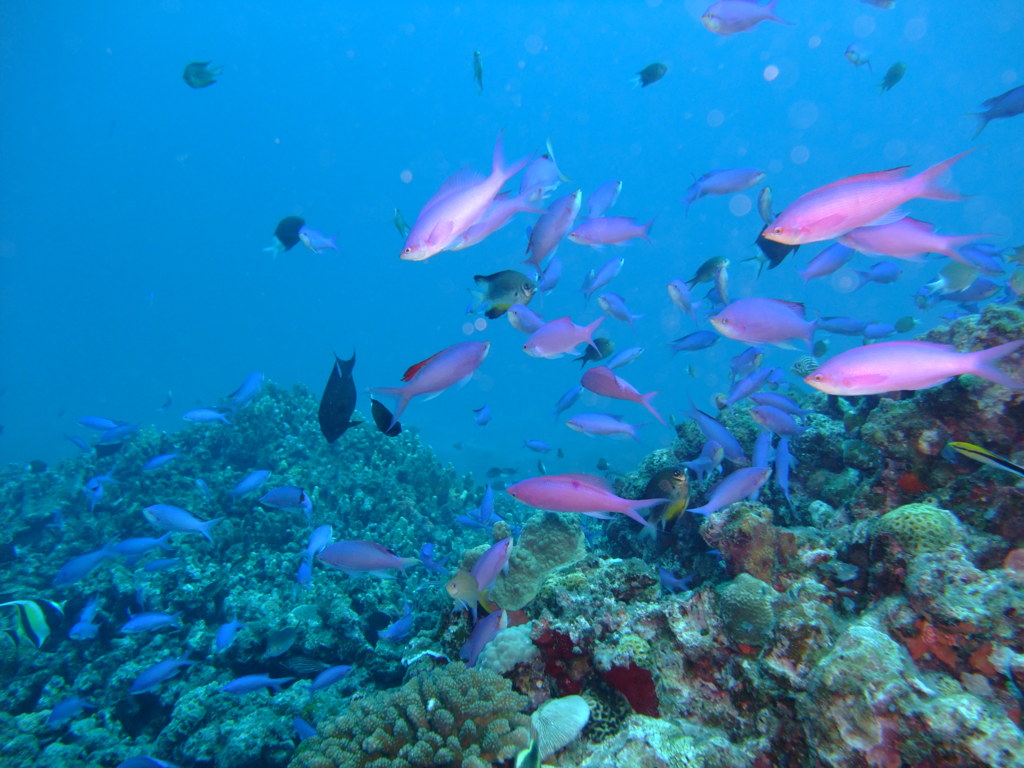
<point x="328" y="677"/>
<point x="317" y="242"/>
<point x="538" y="446"/>
<point x="150" y="622"/>
<point x="79" y="443"/>
<point x="158" y="461"/>
<point x="247" y="392"/>
<point x="202" y="486"/>
<point x="783" y="461"/>
<point x="746" y="362"/>
<point x="98" y="423"/>
<point x="484" y="516"/>
<point x="249" y="683"/>
<point x="672" y="583"/>
<point x="303" y="729"/>
<point x="400" y="629"/>
<point x="708" y="462"/>
<point x="568" y="400"/>
<point x="483" y="415"/>
<point x="157" y="674"/>
<point x="695" y="341"/>
<point x="143" y="761"/>
<point x="485" y="630"/>
<point x="624" y="358"/>
<point x="845" y="326"/>
<point x="288" y="497"/>
<point x="137" y="547"/>
<point x="250" y="483"/>
<point x="66" y="710"/>
<point x="77" y="568"/>
<point x="226" y="634"/>
<point x="162" y="564"/>
<point x="205" y="416"/>
<point x="882" y="272"/>
<point x="119" y="434"/>
<point x="84" y="629"/>
<point x="875" y="331"/>
<point x="429" y="562"/>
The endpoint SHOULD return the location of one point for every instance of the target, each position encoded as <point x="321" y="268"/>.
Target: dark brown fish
<point x="339" y="400"/>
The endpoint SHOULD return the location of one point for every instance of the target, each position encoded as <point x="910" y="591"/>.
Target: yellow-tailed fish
<point x="986" y="456"/>
<point x="35" y="620"/>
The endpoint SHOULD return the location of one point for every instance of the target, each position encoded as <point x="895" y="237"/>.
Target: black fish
<point x="382" y="418"/>
<point x="599" y="351"/>
<point x="339" y="400"/>
<point x="200" y="74"/>
<point x="652" y="73"/>
<point x="287" y="232"/>
<point x="772" y="252"/>
<point x="107" y="449"/>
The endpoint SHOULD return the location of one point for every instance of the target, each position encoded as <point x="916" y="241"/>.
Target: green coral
<point x="452" y="716"/>
<point x="919" y="527"/>
<point x="745" y="606"/>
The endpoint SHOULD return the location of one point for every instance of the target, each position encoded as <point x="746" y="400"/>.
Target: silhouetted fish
<point x="287" y="232"/>
<point x="382" y="418"/>
<point x="339" y="400"/>
<point x="199" y="74"/>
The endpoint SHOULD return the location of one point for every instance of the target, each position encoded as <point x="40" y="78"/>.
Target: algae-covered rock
<point x="745" y="606"/>
<point x="919" y="527"/>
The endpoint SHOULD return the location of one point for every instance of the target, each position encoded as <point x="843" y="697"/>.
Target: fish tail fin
<point x="703" y="511"/>
<point x="812" y="326"/>
<point x="983" y="118"/>
<point x="982" y="363"/>
<point x="863" y="278"/>
<point x="590" y="332"/>
<point x="645" y="232"/>
<point x="928" y="179"/>
<point x="956" y="242"/>
<point x="770" y="7"/>
<point x="645" y="401"/>
<point x="632" y="511"/>
<point x="205" y="528"/>
<point x="498" y="167"/>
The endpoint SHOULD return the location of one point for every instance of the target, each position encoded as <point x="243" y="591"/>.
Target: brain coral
<point x="919" y="527"/>
<point x="745" y="607"/>
<point x="452" y="716"/>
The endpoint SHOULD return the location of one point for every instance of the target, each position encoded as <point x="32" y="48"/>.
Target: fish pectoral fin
<point x="889" y="218"/>
<point x="441" y="233"/>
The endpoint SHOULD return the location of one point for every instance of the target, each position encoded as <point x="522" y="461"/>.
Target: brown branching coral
<point x="452" y="716"/>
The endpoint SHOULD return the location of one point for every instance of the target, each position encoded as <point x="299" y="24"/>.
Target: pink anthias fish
<point x="459" y="204"/>
<point x="907" y="239"/>
<point x="610" y="230"/>
<point x="722" y="182"/>
<point x="358" y="557"/>
<point x="603" y="198"/>
<point x="437" y="373"/>
<point x="559" y="337"/>
<point x="602" y="381"/>
<point x="736" y="487"/>
<point x="857" y="201"/>
<point x="890" y="366"/>
<point x="764" y="321"/>
<point x="727" y="17"/>
<point x="523" y="319"/>
<point x="497" y="216"/>
<point x="483" y="632"/>
<point x="602" y="424"/>
<point x="551" y="227"/>
<point x="491" y="563"/>
<point x="586" y="494"/>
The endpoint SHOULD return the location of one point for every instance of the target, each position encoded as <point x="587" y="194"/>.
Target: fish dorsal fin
<point x="412" y="370"/>
<point x="923" y="226"/>
<point x="795" y="307"/>
<point x="588" y="480"/>
<point x="458" y="180"/>
<point x="890" y="175"/>
<point x="379" y="547"/>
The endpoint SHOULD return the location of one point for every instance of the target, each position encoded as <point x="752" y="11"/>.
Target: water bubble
<point x="844" y="280"/>
<point x="405" y="176"/>
<point x="480" y="323"/>
<point x="813" y="42"/>
<point x="803" y="114"/>
<point x="863" y="26"/>
<point x="715" y="118"/>
<point x="799" y="154"/>
<point x="467" y="328"/>
<point x="916" y="28"/>
<point x="1009" y="77"/>
<point x="534" y="44"/>
<point x="740" y="205"/>
<point x="770" y="72"/>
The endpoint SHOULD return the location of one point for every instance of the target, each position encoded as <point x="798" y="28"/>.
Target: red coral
<point x="637" y="685"/>
<point x="563" y="662"/>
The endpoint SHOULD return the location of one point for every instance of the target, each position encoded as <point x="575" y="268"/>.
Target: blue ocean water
<point x="135" y="209"/>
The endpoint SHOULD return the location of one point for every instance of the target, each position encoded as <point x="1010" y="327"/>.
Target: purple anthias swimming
<point x="602" y="381"/>
<point x="358" y="557"/>
<point x="735" y="487"/>
<point x="178" y="520"/>
<point x="586" y="494"/>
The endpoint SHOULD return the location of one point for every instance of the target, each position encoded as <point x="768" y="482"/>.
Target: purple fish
<point x="159" y="673"/>
<point x="615" y="306"/>
<point x="624" y="357"/>
<point x="437" y="373"/>
<point x="98" y="423"/>
<point x="329" y="677"/>
<point x="317" y="242"/>
<point x="150" y="622"/>
<point x="358" y="557"/>
<point x="551" y="227"/>
<point x="550" y="276"/>
<point x="603" y="198"/>
<point x="781" y="402"/>
<point x="707" y="463"/>
<point x="249" y="683"/>
<point x="66" y="710"/>
<point x="679" y="293"/>
<point x="783" y="461"/>
<point x="400" y="629"/>
<point x="497" y="216"/>
<point x="205" y="415"/>
<point x="908" y="365"/>
<point x="672" y="583"/>
<point x="982" y="288"/>
<point x="158" y="461"/>
<point x="247" y="392"/>
<point x="716" y="431"/>
<point x="250" y="483"/>
<point x="879" y="330"/>
<point x="541" y="177"/>
<point x="557" y="337"/>
<point x="1009" y="104"/>
<point x="846" y="326"/>
<point x="761" y="456"/>
<point x="568" y="400"/>
<point x="828" y="261"/>
<point x="882" y="272"/>
<point x="523" y="318"/>
<point x="602" y="424"/>
<point x="597" y="280"/>
<point x="748" y="385"/>
<point x="722" y="182"/>
<point x="288" y="497"/>
<point x="727" y="17"/>
<point x="736" y="487"/>
<point x="908" y="239"/>
<point x="764" y="321"/>
<point x="602" y="381"/>
<point x="162" y="564"/>
<point x="492" y="562"/>
<point x="609" y="230"/>
<point x="775" y="420"/>
<point x="483" y="416"/>
<point x="460" y="202"/>
<point x="746" y="362"/>
<point x="485" y="630"/>
<point x="178" y="520"/>
<point x="431" y="563"/>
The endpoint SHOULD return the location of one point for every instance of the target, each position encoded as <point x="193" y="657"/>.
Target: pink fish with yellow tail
<point x="437" y="373"/>
<point x="560" y="336"/>
<point x="586" y="494"/>
<point x="857" y="201"/>
<point x="756" y="320"/>
<point x="890" y="366"/>
<point x="602" y="381"/>
<point x="459" y="204"/>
